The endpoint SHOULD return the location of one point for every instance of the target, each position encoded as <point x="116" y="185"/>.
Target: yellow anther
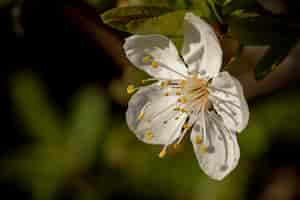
<point x="182" y="100"/>
<point x="141" y="115"/>
<point x="182" y="82"/>
<point x="163" y="153"/>
<point x="131" y="89"/>
<point x="175" y="146"/>
<point x="178" y="93"/>
<point x="146" y="59"/>
<point x="167" y="94"/>
<point x="154" y="64"/>
<point x="147" y="80"/>
<point x="198" y="139"/>
<point x="185" y="126"/>
<point x="177" y="109"/>
<point x="203" y="148"/>
<point x="149" y="135"/>
<point x="183" y="110"/>
<point x="164" y="83"/>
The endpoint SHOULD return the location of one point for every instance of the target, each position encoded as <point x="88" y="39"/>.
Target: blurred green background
<point x="63" y="99"/>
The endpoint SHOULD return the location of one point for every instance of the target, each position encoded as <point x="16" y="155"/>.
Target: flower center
<point x="195" y="92"/>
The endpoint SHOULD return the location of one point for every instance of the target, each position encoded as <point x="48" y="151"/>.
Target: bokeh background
<point x="63" y="97"/>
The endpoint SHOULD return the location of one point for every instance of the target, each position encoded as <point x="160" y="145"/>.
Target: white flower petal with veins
<point x="145" y="50"/>
<point x="197" y="97"/>
<point x="201" y="49"/>
<point x="221" y="153"/>
<point x="157" y="123"/>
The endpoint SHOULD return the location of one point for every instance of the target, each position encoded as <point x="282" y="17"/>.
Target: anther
<point x="131" y="89"/>
<point x="198" y="139"/>
<point x="175" y="146"/>
<point x="167" y="94"/>
<point x="182" y="100"/>
<point x="177" y="109"/>
<point x="154" y="64"/>
<point x="163" y="153"/>
<point x="203" y="148"/>
<point x="149" y="135"/>
<point x="183" y="110"/>
<point x="146" y="59"/>
<point x="182" y="82"/>
<point x="186" y="126"/>
<point x="141" y="115"/>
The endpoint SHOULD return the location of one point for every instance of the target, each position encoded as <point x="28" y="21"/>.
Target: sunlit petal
<point x="152" y="117"/>
<point x="156" y="55"/>
<point x="201" y="50"/>
<point x="215" y="146"/>
<point x="229" y="101"/>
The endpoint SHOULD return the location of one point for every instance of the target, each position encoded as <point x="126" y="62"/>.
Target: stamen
<point x="146" y="59"/>
<point x="186" y="126"/>
<point x="177" y="108"/>
<point x="198" y="139"/>
<point x="163" y="152"/>
<point x="203" y="148"/>
<point x="182" y="100"/>
<point x="175" y="146"/>
<point x="141" y="115"/>
<point x="182" y="82"/>
<point x="154" y="64"/>
<point x="183" y="110"/>
<point x="148" y="80"/>
<point x="131" y="89"/>
<point x="149" y="135"/>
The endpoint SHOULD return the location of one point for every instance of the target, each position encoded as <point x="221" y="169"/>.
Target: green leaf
<point x="119" y="18"/>
<point x="273" y="57"/>
<point x="88" y="119"/>
<point x="261" y="30"/>
<point x="34" y="109"/>
<point x="178" y="4"/>
<point x="151" y="20"/>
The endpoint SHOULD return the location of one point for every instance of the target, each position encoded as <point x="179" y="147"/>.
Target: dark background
<point x="63" y="134"/>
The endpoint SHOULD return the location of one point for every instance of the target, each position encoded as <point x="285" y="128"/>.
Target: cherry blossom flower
<point x="188" y="94"/>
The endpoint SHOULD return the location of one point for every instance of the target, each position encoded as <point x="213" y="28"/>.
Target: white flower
<point x="188" y="95"/>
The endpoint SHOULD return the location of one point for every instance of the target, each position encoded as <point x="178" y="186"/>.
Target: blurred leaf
<point x="165" y="3"/>
<point x="89" y="117"/>
<point x="33" y="107"/>
<point x="151" y="20"/>
<point x="48" y="165"/>
<point x="273" y="57"/>
<point x="119" y="18"/>
<point x="222" y="2"/>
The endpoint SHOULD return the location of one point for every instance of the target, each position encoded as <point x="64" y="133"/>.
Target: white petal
<point x="159" y="49"/>
<point x="222" y="150"/>
<point x="157" y="110"/>
<point x="201" y="49"/>
<point x="229" y="101"/>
